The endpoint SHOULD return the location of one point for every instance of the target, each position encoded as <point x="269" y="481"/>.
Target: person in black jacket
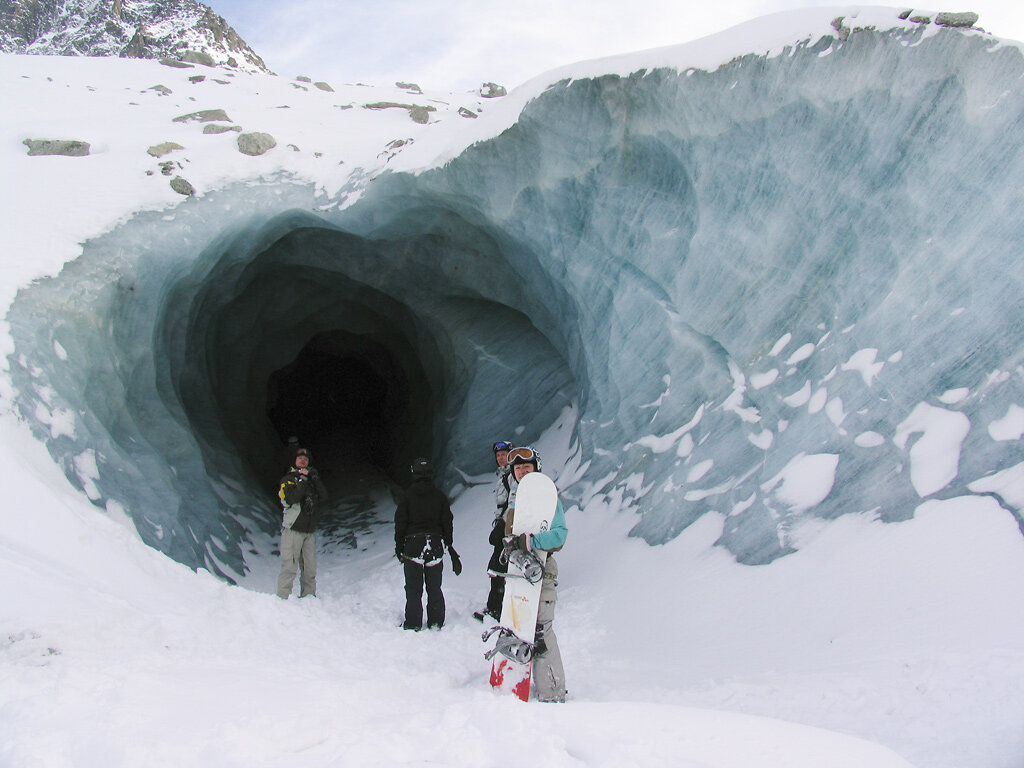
<point x="301" y="492"/>
<point x="423" y="528"/>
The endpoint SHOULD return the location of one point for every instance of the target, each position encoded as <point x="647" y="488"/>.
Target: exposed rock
<point x="467" y="112"/>
<point x="159" y="150"/>
<point x="421" y="114"/>
<point x="197" y="78"/>
<point x="946" y="19"/>
<point x="204" y="116"/>
<point x="65" y="147"/>
<point x="176" y="64"/>
<point x="255" y="143"/>
<point x="492" y="90"/>
<point x="182" y="187"/>
<point x="167" y="30"/>
<point x="299" y="87"/>
<point x="304" y="79"/>
<point x="842" y="31"/>
<point x="163" y="90"/>
<point x="324" y="86"/>
<point x="198" y="57"/>
<point x="905" y="14"/>
<point x="409" y="87"/>
<point x="418" y="112"/>
<point x="294" y="148"/>
<point x="921" y="19"/>
<point x="167" y="167"/>
<point x="214" y="128"/>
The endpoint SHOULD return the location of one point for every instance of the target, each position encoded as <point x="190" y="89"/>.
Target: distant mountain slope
<point x="141" y="29"/>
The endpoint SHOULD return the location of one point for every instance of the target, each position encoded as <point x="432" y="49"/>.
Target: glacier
<point x="771" y="289"/>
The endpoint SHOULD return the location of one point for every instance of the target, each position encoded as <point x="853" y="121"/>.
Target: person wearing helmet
<point x="423" y="528"/>
<point x="301" y="492"/>
<point x="495" y="565"/>
<point x="548" y="674"/>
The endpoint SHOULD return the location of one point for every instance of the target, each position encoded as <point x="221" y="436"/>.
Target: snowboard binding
<point x="509" y="646"/>
<point x="528" y="563"/>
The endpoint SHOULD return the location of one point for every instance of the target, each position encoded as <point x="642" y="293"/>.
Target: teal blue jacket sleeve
<point x="554" y="537"/>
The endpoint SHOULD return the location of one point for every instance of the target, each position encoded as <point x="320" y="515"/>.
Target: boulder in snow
<point x="159" y="150"/>
<point x="198" y="57"/>
<point x="215" y="128"/>
<point x="204" y="116"/>
<point x="947" y="19"/>
<point x="65" y="147"/>
<point x="255" y="143"/>
<point x="182" y="187"/>
<point x="492" y="90"/>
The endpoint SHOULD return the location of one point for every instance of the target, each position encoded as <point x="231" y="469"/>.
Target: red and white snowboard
<point x="535" y="504"/>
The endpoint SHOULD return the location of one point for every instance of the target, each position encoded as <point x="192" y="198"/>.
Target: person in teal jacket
<point x="548" y="674"/>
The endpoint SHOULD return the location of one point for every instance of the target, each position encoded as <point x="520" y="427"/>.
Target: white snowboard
<point x="535" y="503"/>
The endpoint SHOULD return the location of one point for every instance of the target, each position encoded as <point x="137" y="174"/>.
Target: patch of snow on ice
<point x="805" y="481"/>
<point x="869" y="440"/>
<point x="803" y="353"/>
<point x="935" y="456"/>
<point x="762" y="380"/>
<point x="953" y="396"/>
<point x="1010" y="427"/>
<point x="863" y="362"/>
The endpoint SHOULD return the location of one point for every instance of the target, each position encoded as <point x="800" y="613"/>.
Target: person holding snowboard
<point x="423" y="528"/>
<point x="496" y="538"/>
<point x="301" y="492"/>
<point x="548" y="674"/>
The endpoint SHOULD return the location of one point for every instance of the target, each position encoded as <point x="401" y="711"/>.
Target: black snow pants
<point x="423" y="567"/>
<point x="497" y="592"/>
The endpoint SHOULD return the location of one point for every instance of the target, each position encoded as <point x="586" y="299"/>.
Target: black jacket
<point x="307" y="490"/>
<point x="423" y="509"/>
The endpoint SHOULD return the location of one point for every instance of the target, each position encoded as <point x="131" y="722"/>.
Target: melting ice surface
<point x="789" y="286"/>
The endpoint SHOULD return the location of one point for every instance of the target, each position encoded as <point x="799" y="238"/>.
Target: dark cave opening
<point x="349" y="400"/>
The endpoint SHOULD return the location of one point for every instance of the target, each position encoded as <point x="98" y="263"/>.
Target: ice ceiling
<point x="790" y="273"/>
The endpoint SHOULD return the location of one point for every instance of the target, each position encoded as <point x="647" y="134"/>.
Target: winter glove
<point x="456" y="562"/>
<point x="522" y="541"/>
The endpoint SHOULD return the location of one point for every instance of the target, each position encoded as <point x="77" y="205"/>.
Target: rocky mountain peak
<point x="143" y="29"/>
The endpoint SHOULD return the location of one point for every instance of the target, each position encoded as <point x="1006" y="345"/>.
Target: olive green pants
<point x="298" y="551"/>
<point x="548" y="675"/>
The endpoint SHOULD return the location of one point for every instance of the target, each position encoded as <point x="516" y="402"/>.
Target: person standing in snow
<point x="497" y="535"/>
<point x="301" y="492"/>
<point x="423" y="528"/>
<point x="548" y="674"/>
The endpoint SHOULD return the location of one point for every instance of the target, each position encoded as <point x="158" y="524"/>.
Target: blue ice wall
<point x="787" y="272"/>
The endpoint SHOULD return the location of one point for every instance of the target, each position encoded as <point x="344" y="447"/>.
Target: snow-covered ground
<point x="874" y="645"/>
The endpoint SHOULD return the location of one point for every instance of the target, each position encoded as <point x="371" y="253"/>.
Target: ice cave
<point x="802" y="263"/>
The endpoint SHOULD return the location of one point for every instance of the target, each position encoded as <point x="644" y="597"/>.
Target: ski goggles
<point x="502" y="445"/>
<point x="522" y="455"/>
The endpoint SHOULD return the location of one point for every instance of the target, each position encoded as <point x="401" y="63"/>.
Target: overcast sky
<point x="458" y="44"/>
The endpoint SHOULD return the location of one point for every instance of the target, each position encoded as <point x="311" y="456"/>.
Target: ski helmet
<point x="526" y="454"/>
<point x="421" y="468"/>
<point x="503" y="445"/>
<point x="302" y="452"/>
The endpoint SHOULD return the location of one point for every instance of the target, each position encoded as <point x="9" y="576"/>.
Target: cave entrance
<point x="350" y="400"/>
